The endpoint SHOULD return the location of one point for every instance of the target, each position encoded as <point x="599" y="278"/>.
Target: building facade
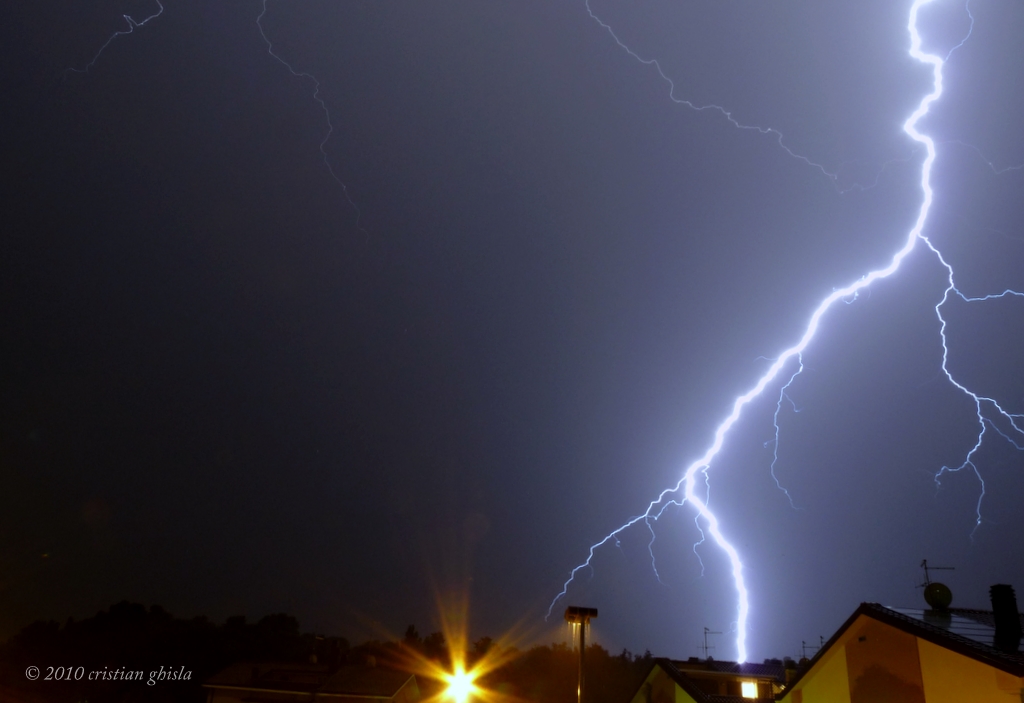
<point x="905" y="655"/>
<point x="309" y="683"/>
<point x="710" y="681"/>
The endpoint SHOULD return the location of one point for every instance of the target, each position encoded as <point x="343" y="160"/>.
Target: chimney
<point x="1007" y="618"/>
<point x="790" y="669"/>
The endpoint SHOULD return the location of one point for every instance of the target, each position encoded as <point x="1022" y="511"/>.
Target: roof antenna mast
<point x="937" y="595"/>
<point x="927" y="577"/>
<point x="707" y="647"/>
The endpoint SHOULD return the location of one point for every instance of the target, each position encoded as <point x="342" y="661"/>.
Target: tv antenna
<point x="927" y="576"/>
<point x="804" y="646"/>
<point x="706" y="646"/>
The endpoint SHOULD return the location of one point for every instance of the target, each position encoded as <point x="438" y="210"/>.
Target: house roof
<point x="967" y="632"/>
<point x="271" y="676"/>
<point x="770" y="669"/>
<point x="976" y="625"/>
<point x="678" y="671"/>
<point x="364" y="682"/>
<point x="961" y="630"/>
<point x="361" y="681"/>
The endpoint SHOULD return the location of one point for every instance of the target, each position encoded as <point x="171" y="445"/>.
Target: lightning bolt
<point x="783" y="395"/>
<point x="989" y="414"/>
<point x="793" y="356"/>
<point x="133" y="24"/>
<point x="323" y="106"/>
<point x="981" y="402"/>
<point x="970" y="31"/>
<point x="997" y="170"/>
<point x="779" y="137"/>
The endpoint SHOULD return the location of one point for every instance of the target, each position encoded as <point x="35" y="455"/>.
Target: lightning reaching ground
<point x="990" y="417"/>
<point x="988" y="410"/>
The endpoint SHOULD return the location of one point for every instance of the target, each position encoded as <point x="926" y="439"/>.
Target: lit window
<point x="749" y="689"/>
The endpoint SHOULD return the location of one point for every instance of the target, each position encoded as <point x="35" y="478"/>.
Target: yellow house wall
<point x="876" y="663"/>
<point x="827" y="682"/>
<point x="871" y="663"/>
<point x="953" y="678"/>
<point x="883" y="664"/>
<point x="659" y="687"/>
<point x="682" y="696"/>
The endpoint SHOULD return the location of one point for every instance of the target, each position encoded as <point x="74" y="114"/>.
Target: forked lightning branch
<point x="988" y="410"/>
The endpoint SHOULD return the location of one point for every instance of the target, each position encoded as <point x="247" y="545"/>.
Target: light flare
<point x="461" y="685"/>
<point x="464" y="673"/>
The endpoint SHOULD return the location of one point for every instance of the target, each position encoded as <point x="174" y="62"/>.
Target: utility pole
<point x="575" y="615"/>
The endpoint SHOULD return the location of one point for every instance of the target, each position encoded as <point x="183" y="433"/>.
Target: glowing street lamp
<point x="460" y="677"/>
<point x="575" y="615"/>
<point x="460" y="685"/>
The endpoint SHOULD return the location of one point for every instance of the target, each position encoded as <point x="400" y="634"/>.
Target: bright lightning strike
<point x="988" y="412"/>
<point x="688" y="482"/>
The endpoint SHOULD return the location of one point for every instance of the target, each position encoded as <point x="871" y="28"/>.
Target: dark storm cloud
<point x="220" y="394"/>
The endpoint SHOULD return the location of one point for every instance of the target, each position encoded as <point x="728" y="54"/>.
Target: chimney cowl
<point x="1007" y="618"/>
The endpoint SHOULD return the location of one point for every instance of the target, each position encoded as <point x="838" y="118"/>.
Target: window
<point x="749" y="689"/>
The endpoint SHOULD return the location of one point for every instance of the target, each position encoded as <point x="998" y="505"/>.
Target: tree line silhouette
<point x="130" y="637"/>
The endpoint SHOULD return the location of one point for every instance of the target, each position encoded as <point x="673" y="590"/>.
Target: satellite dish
<point x="938" y="595"/>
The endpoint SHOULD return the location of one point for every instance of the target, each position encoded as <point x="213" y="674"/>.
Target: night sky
<point x="507" y="312"/>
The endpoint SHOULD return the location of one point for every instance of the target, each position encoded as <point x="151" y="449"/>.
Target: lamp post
<point x="580" y="616"/>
